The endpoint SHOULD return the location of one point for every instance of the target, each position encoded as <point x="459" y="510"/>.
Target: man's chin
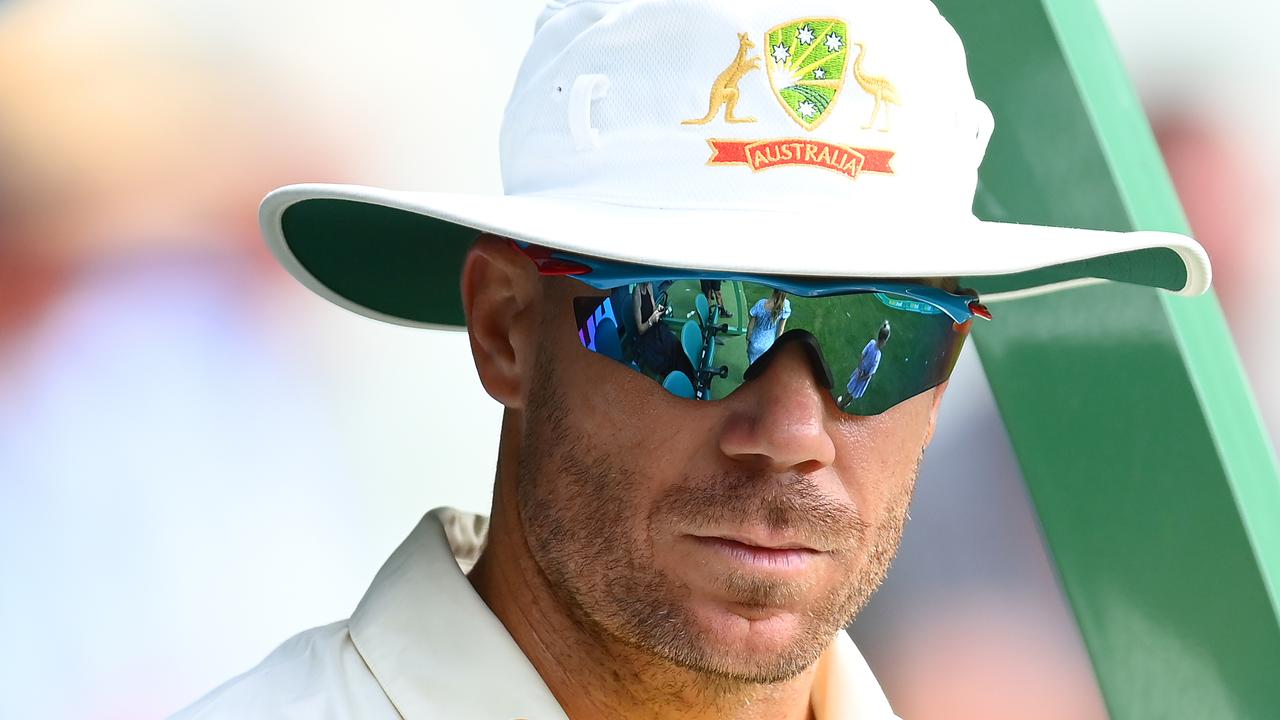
<point x="757" y="644"/>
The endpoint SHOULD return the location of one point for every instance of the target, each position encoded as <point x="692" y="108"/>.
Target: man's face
<point x="733" y="537"/>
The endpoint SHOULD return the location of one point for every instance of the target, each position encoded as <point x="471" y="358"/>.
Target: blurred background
<point x="199" y="458"/>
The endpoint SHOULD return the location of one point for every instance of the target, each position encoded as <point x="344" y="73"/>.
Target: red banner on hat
<point x="764" y="154"/>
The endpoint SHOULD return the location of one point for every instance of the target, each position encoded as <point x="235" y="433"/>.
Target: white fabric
<point x="422" y="645"/>
<point x="622" y="174"/>
<point x="690" y="238"/>
<point x="662" y="58"/>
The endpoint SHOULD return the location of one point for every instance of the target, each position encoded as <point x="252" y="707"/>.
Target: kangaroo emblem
<point x="877" y="87"/>
<point x="724" y="91"/>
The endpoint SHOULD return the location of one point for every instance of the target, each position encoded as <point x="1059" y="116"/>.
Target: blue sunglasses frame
<point x="609" y="274"/>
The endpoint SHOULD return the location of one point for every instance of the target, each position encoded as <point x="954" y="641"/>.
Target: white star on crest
<point x="819" y="73"/>
<point x="805" y="35"/>
<point x="780" y="53"/>
<point x="834" y="42"/>
<point x="806" y="109"/>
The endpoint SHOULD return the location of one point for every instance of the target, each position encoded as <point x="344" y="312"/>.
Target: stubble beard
<point x="575" y="504"/>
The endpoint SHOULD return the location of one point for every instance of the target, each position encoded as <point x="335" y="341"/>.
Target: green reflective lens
<point x="871" y="350"/>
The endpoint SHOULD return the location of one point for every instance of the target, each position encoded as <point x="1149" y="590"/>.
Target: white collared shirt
<point x="422" y="644"/>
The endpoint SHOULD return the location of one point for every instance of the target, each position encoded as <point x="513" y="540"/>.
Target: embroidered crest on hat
<point x="879" y="88"/>
<point x="724" y="91"/>
<point x="777" y="152"/>
<point x="807" y="60"/>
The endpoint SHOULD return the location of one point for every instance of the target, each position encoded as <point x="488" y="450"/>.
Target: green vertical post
<point x="1138" y="438"/>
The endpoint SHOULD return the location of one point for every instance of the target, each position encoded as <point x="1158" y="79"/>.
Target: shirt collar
<point x="844" y="687"/>
<point x="434" y="646"/>
<point x="438" y="651"/>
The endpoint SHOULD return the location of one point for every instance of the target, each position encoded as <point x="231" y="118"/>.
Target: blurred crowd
<point x="198" y="457"/>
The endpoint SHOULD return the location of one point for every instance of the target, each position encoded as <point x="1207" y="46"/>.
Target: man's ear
<point x="500" y="295"/>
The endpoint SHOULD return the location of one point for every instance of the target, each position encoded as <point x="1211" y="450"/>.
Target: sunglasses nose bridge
<point x="808" y="345"/>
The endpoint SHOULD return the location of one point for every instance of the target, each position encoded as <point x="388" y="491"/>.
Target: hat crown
<point x="848" y="105"/>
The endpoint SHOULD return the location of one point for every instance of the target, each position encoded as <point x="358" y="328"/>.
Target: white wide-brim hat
<point x="834" y="138"/>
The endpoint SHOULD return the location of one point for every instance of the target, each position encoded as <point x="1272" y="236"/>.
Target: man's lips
<point x="760" y="554"/>
<point x="761" y="542"/>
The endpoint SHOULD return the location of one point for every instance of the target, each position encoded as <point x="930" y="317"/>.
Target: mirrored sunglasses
<point x="700" y="335"/>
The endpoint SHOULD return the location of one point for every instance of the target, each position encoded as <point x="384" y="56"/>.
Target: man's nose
<point x="779" y="418"/>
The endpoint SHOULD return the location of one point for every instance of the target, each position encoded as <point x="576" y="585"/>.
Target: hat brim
<point x="396" y="256"/>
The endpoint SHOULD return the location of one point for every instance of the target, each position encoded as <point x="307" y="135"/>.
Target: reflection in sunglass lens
<point x="704" y="339"/>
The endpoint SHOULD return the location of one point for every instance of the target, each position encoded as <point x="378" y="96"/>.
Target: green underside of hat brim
<point x="398" y="263"/>
<point x="405" y="266"/>
<point x="1157" y="267"/>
